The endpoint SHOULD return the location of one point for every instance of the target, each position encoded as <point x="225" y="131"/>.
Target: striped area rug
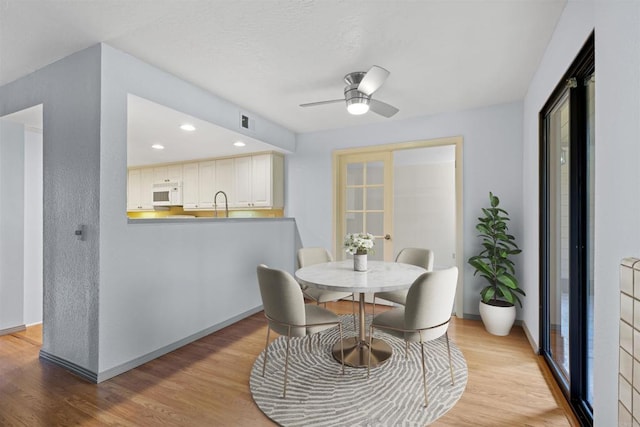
<point x="319" y="395"/>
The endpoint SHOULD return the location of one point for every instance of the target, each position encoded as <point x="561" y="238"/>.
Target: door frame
<point x="457" y="142"/>
<point x="575" y="387"/>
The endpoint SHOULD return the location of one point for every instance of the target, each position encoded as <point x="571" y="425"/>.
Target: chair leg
<point x="374" y="305"/>
<point x="406" y="349"/>
<point x="286" y="364"/>
<point x="446" y="335"/>
<point x="310" y="338"/>
<point x="424" y="373"/>
<point x="341" y="347"/>
<point x="370" y="341"/>
<point x="266" y="350"/>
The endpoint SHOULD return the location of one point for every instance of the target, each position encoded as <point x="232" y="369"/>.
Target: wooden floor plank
<point x="207" y="383"/>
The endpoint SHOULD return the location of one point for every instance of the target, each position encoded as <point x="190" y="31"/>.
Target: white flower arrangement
<point x="358" y="243"/>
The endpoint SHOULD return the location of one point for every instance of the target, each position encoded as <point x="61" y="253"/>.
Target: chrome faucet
<point x="226" y="205"/>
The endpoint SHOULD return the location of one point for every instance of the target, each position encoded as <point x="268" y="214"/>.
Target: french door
<point x="375" y="191"/>
<point x="567" y="195"/>
<point x="365" y="200"/>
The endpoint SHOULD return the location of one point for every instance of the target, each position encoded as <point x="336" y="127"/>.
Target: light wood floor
<point x="207" y="384"/>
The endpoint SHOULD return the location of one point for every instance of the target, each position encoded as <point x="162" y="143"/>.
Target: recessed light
<point x="158" y="146"/>
<point x="239" y="144"/>
<point x="188" y="127"/>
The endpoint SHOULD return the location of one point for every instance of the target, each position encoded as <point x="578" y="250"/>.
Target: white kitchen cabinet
<point x="170" y="173"/>
<point x="198" y="185"/>
<point x="242" y="185"/>
<point x="190" y="185"/>
<point x="259" y="181"/>
<point x="250" y="182"/>
<point x="140" y="189"/>
<point x="225" y="181"/>
<point x="206" y="184"/>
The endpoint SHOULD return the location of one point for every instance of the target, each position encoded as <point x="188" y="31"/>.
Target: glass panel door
<point x="591" y="160"/>
<point x="559" y="271"/>
<point x="566" y="227"/>
<point x="365" y="202"/>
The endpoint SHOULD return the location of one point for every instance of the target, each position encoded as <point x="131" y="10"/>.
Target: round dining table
<point x="340" y="276"/>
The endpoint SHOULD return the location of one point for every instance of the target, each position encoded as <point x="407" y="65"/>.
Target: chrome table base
<point x="356" y="349"/>
<point x="356" y="352"/>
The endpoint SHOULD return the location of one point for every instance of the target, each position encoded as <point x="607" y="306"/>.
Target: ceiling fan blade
<point x="382" y="108"/>
<point x="313" y="104"/>
<point x="372" y="81"/>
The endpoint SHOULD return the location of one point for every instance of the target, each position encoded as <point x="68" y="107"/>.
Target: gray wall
<point x="162" y="282"/>
<point x="492" y="151"/>
<point x="571" y="32"/>
<point x="126" y="292"/>
<point x="33" y="227"/>
<point x="11" y="225"/>
<point x="70" y="92"/>
<point x="617" y="229"/>
<point x="617" y="202"/>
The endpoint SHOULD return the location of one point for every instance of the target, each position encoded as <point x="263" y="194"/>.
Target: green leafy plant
<point x="493" y="262"/>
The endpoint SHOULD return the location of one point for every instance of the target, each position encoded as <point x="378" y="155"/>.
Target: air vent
<point x="246" y="122"/>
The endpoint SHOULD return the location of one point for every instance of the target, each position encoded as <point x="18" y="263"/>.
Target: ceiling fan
<point x="357" y="93"/>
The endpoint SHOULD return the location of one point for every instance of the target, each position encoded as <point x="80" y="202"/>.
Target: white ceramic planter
<point x="497" y="320"/>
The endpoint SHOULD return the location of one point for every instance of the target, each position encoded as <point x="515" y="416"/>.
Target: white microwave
<point x="167" y="194"/>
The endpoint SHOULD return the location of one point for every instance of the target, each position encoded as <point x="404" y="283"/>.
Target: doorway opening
<point x="21" y="221"/>
<point x="407" y="195"/>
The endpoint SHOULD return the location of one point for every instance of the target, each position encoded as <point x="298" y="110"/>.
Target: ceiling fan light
<point x="357" y="106"/>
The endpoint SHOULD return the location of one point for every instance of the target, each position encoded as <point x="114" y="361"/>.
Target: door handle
<point x="387" y="237"/>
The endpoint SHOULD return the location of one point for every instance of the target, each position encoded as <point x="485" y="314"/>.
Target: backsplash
<point x="177" y="210"/>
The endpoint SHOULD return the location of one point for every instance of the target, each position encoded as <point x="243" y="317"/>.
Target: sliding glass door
<point x="557" y="125"/>
<point x="567" y="217"/>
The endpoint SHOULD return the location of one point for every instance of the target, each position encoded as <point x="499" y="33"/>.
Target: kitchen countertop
<point x="178" y="220"/>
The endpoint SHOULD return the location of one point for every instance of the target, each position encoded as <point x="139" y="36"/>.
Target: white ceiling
<point x="270" y="56"/>
<point x="149" y="123"/>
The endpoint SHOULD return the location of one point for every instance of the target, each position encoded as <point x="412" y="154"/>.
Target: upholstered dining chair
<point x="425" y="317"/>
<point x="315" y="255"/>
<point x="414" y="256"/>
<point x="287" y="314"/>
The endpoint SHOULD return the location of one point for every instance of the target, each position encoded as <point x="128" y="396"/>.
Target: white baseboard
<point x="117" y="370"/>
<point x="8" y="331"/>
<point x="532" y="342"/>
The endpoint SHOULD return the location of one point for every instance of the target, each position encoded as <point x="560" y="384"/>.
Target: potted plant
<point x="498" y="298"/>
<point x="359" y="245"/>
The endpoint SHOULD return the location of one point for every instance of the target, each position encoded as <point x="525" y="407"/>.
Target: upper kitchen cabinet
<point x="140" y="189"/>
<point x="171" y="173"/>
<point x="198" y="185"/>
<point x="225" y="181"/>
<point x="259" y="181"/>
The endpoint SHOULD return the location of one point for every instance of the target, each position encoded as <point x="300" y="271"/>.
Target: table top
<point x="380" y="276"/>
